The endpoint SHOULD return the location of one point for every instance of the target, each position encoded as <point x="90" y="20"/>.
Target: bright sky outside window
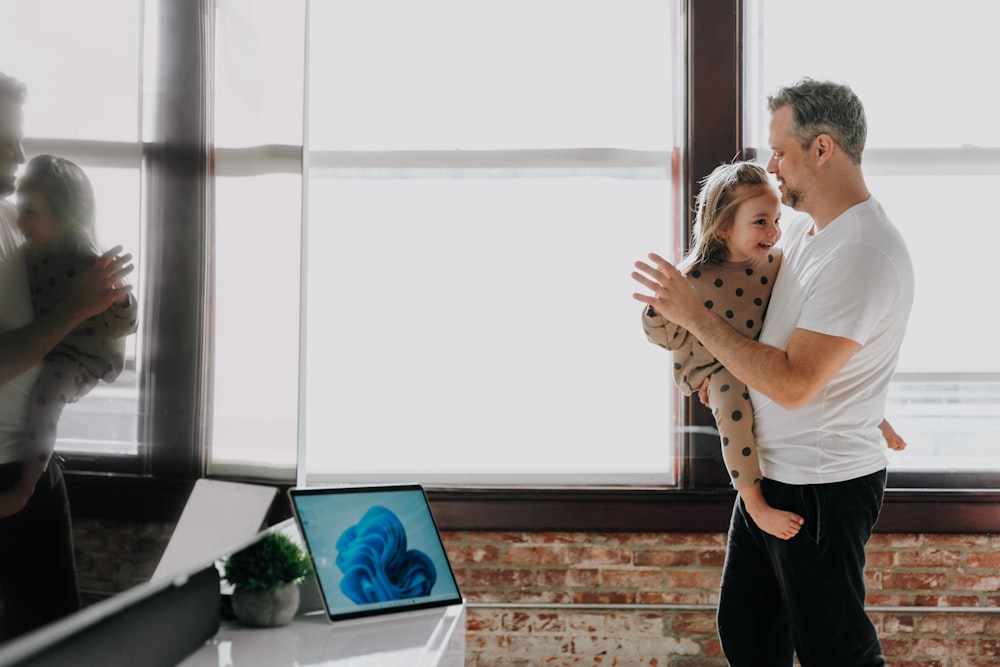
<point x="933" y="144"/>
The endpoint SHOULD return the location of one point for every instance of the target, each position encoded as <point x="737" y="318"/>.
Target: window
<point x="391" y="156"/>
<point x="480" y="179"/>
<point x="932" y="142"/>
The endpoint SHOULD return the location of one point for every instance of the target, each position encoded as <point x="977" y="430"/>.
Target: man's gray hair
<point x="11" y="89"/>
<point x="824" y="107"/>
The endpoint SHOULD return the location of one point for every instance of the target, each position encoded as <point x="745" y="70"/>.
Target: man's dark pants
<point x="37" y="566"/>
<point x="804" y="595"/>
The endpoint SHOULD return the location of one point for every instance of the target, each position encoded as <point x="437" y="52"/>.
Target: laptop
<point x="218" y="515"/>
<point x="375" y="549"/>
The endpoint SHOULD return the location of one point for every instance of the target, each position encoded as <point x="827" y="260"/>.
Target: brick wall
<point x="113" y="556"/>
<point x="643" y="599"/>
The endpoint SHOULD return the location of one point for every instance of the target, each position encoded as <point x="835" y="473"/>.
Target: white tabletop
<point x="428" y="638"/>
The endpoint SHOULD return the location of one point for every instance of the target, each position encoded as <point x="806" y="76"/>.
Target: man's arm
<point x="789" y="377"/>
<point x="95" y="290"/>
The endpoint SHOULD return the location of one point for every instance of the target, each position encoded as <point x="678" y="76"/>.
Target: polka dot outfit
<point x="98" y="344"/>
<point x="738" y="293"/>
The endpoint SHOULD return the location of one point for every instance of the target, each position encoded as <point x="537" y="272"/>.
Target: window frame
<point x="915" y="501"/>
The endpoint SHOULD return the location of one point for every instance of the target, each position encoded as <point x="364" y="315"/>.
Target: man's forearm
<point x="22" y="348"/>
<point x="790" y="377"/>
<point x="761" y="366"/>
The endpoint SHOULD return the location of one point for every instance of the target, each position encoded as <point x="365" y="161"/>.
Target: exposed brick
<point x="467" y="553"/>
<point x="968" y="625"/>
<point x="559" y="538"/>
<point x="535" y="555"/>
<point x="975" y="582"/>
<point x="894" y="540"/>
<point x="498" y="577"/>
<point x="604" y="597"/>
<point x="701" y="540"/>
<point x="987" y="560"/>
<point x="693" y="623"/>
<point x="955" y="540"/>
<point x="663" y="558"/>
<point x="990" y="647"/>
<point x="935" y="624"/>
<point x="895" y="625"/>
<point x="711" y="557"/>
<point x="894" y="647"/>
<point x="704" y="579"/>
<point x="946" y="600"/>
<point x="914" y="580"/>
<point x="646" y="579"/>
<point x="929" y="558"/>
<point x="539" y="596"/>
<point x="880" y="559"/>
<point x="588" y="555"/>
<point x="888" y="600"/>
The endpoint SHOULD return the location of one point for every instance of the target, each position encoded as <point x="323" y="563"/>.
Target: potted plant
<point x="266" y="576"/>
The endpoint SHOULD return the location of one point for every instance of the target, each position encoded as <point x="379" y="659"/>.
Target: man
<point x="819" y="376"/>
<point x="37" y="571"/>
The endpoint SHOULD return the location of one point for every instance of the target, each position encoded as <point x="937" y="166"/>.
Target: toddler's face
<point x="35" y="220"/>
<point x="754" y="229"/>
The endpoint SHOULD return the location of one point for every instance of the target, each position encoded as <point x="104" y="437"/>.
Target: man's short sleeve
<point x="856" y="288"/>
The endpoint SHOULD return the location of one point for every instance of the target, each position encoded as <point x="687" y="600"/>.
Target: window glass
<point x="453" y="74"/>
<point x="258" y="101"/>
<point x="473" y="323"/>
<point x="256" y="355"/>
<point x="80" y="61"/>
<point x="932" y="145"/>
<point x="924" y="76"/>
<point x="463" y="329"/>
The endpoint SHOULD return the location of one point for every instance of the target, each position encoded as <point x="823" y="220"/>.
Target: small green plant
<point x="272" y="560"/>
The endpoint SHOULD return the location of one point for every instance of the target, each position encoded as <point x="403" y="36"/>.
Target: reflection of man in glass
<point x="37" y="570"/>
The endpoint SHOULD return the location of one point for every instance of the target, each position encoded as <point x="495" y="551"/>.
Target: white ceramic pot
<point x="266" y="609"/>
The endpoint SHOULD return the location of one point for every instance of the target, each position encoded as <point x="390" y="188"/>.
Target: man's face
<point x="789" y="161"/>
<point x="11" y="152"/>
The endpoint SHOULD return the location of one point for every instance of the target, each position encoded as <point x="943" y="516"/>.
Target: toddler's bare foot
<point x="781" y="524"/>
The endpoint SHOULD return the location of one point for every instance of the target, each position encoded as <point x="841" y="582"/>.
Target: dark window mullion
<point x="714" y="125"/>
<point x="174" y="374"/>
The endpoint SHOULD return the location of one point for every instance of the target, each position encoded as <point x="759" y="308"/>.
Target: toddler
<point x="55" y="203"/>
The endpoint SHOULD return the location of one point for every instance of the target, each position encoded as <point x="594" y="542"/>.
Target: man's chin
<point x="792" y="201"/>
<point x="6" y="186"/>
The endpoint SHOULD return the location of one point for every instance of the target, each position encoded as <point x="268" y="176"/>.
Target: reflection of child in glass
<point x="732" y="266"/>
<point x="55" y="203"/>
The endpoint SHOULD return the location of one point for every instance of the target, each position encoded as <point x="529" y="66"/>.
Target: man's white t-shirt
<point x="852" y="279"/>
<point x="15" y="312"/>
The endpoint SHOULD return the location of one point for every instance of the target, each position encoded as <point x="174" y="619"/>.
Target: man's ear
<point x="823" y="147"/>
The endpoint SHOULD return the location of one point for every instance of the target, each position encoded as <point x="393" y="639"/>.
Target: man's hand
<point x="672" y="296"/>
<point x="101" y="285"/>
<point x="16" y="498"/>
<point x="703" y="392"/>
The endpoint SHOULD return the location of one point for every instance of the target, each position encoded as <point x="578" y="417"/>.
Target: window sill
<point x="563" y="510"/>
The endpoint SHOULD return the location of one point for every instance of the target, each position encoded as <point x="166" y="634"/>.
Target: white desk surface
<point x="430" y="638"/>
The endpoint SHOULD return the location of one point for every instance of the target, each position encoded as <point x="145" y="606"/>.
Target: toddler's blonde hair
<point x="722" y="192"/>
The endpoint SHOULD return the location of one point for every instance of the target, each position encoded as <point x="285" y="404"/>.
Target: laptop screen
<point x="375" y="549"/>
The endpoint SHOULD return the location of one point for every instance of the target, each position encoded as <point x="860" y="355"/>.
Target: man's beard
<point x="793" y="197"/>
